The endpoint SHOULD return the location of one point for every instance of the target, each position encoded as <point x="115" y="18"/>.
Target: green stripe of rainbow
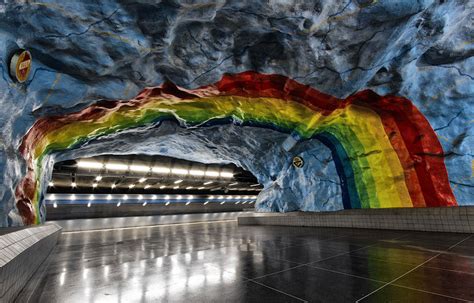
<point x="386" y="153"/>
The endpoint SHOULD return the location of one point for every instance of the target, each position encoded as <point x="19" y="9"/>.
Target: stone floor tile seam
<point x="277" y="290"/>
<point x="309" y="263"/>
<point x="452" y="270"/>
<point x="278" y="272"/>
<point x="411" y="270"/>
<point x="352" y="251"/>
<point x="430" y="292"/>
<point x="346" y="274"/>
<point x="458" y="243"/>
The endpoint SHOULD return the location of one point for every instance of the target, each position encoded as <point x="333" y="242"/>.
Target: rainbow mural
<point x="386" y="153"/>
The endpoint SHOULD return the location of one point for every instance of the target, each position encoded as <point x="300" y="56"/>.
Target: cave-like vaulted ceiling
<point x="375" y="96"/>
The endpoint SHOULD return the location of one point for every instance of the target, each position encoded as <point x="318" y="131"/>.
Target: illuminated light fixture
<point x="254" y="197"/>
<point x="208" y="182"/>
<point x="227" y="175"/>
<point x="98" y="178"/>
<point x="73" y="184"/>
<point x="131" y="186"/>
<point x="153" y="197"/>
<point x="179" y="197"/>
<point x="189" y="187"/>
<point x="190" y="197"/>
<point x="189" y="202"/>
<point x="237" y="202"/>
<point x="144" y="203"/>
<point x="125" y="197"/>
<point x="245" y="197"/>
<point x="222" y="202"/>
<point x="179" y="171"/>
<point x="178" y="181"/>
<point x="140" y="168"/>
<point x="116" y="166"/>
<point x="162" y="186"/>
<point x="229" y="197"/>
<point x="119" y="203"/>
<point x="51" y="184"/>
<point x="212" y="173"/>
<point x="176" y="187"/>
<point x="238" y="197"/>
<point x="211" y="197"/>
<point x="167" y="203"/>
<point x="91" y="197"/>
<point x="254" y="185"/>
<point x="167" y="197"/>
<point x="73" y="197"/>
<point x="89" y="204"/>
<point x="53" y="197"/>
<point x="90" y="164"/>
<point x="141" y="180"/>
<point x="55" y="205"/>
<point x="113" y="186"/>
<point x="140" y="197"/>
<point x="220" y="197"/>
<point x="161" y="170"/>
<point x="205" y="203"/>
<point x="195" y="172"/>
<point x="244" y="202"/>
<point x="94" y="185"/>
<point x="201" y="187"/>
<point x="147" y="186"/>
<point x="109" y="197"/>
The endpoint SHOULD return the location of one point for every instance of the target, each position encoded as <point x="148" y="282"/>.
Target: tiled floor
<point x="222" y="262"/>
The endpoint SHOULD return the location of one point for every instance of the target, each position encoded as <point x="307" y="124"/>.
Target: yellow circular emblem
<point x="298" y="162"/>
<point x="20" y="65"/>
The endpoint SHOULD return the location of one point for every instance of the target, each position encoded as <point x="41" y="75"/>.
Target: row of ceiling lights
<point x="147" y="186"/>
<point x="156" y="169"/>
<point x="55" y="204"/>
<point x="155" y="197"/>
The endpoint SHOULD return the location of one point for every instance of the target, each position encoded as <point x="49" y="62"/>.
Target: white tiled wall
<point x="443" y="219"/>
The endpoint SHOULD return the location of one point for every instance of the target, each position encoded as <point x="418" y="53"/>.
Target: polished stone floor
<point x="224" y="262"/>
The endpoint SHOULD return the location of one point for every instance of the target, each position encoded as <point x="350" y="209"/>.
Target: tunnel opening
<point x="141" y="185"/>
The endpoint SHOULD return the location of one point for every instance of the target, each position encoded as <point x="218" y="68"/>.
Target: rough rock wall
<point x="83" y="52"/>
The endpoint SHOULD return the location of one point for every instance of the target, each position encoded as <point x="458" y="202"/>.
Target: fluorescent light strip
<point x="179" y="171"/>
<point x="195" y="172"/>
<point x="140" y="168"/>
<point x="161" y="170"/>
<point x="212" y="173"/>
<point x="116" y="166"/>
<point x="227" y="175"/>
<point x="90" y="164"/>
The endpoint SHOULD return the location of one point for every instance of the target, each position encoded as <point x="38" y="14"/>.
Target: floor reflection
<point x="222" y="262"/>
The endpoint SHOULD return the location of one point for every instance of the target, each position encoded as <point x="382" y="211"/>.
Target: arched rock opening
<point x="374" y="140"/>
